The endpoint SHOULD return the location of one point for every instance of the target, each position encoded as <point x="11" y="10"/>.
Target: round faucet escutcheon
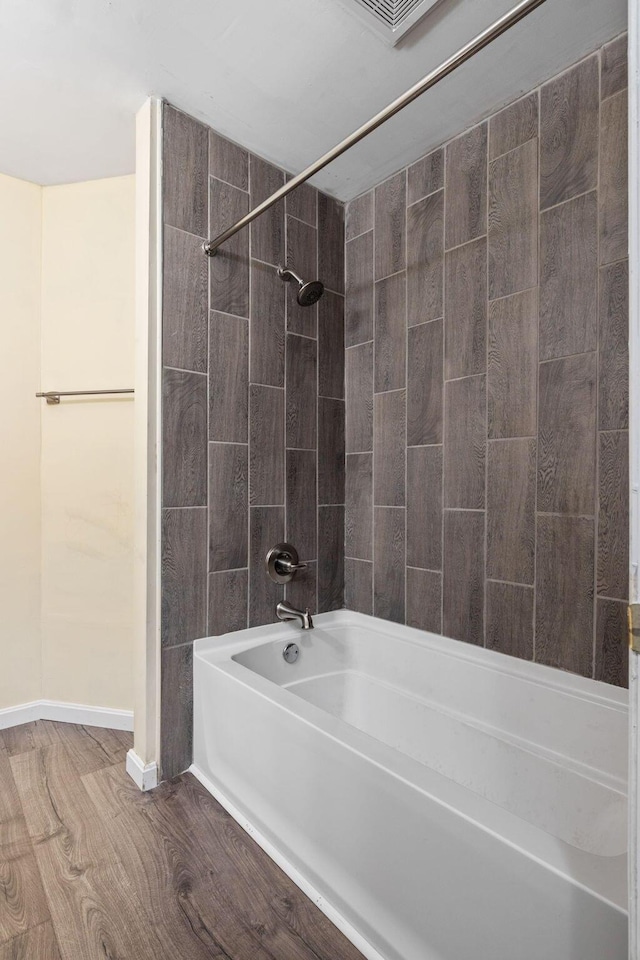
<point x="282" y="563"/>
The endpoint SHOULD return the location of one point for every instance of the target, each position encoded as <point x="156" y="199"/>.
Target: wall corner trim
<point x="144" y="775"/>
<point x="66" y="713"/>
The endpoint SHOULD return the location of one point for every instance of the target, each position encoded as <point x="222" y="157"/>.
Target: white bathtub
<point x="440" y="801"/>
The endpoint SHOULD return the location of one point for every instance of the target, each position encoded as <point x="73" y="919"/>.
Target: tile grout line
<point x="569" y="356"/>
<point x="467" y="243"/>
<point x="426" y="196"/>
<point x="195" y="506"/>
<point x="506" y="153"/>
<point x="207" y="599"/>
<point x="197" y="373"/>
<point x="250" y="571"/>
<point x="424" y="323"/>
<point x="601" y="596"/>
<point x="211" y="176"/>
<point x="231" y="316"/>
<point x="406" y="399"/>
<point x="372" y="294"/>
<point x="317" y="406"/>
<point x="534" y="609"/>
<point x="596" y="492"/>
<point x="486" y="393"/>
<point x="285" y="320"/>
<point x="516" y="293"/>
<point x="443" y="391"/>
<point x="578" y="196"/>
<point x="358" y="236"/>
<point x="389" y="276"/>
<point x="510" y="583"/>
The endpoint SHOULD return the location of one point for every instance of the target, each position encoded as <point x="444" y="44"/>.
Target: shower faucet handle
<point x="288" y="566"/>
<point x="282" y="563"/>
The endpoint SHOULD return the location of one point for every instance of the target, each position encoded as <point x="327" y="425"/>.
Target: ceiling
<point x="287" y="79"/>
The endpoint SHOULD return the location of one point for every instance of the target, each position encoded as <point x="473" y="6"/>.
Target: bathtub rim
<point x="601" y="876"/>
<point x="215" y="648"/>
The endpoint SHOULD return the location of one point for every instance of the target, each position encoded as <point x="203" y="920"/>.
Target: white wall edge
<point x="144" y="775"/>
<point x="66" y="713"/>
<point x="336" y="918"/>
<point x="634" y="469"/>
<point x="148" y="387"/>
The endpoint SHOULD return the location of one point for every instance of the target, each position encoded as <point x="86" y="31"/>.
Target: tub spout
<point x="285" y="611"/>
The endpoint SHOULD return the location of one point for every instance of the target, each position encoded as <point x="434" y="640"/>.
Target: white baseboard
<point x="25" y="713"/>
<point x="144" y="775"/>
<point x="337" y="919"/>
<point x="66" y="713"/>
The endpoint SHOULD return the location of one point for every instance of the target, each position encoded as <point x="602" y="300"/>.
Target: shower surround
<point x="487" y="384"/>
<point x="253" y="405"/>
<point x="484" y="337"/>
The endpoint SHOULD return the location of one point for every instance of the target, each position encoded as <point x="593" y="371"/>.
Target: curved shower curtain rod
<point x="465" y="53"/>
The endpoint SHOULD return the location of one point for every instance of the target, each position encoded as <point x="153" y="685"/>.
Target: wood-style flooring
<point x="92" y="869"/>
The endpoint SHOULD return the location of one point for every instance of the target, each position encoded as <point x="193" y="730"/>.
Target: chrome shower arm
<point x="287" y="274"/>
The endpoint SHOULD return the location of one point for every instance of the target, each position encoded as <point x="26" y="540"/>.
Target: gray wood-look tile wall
<point x="474" y="330"/>
<point x="253" y="392"/>
<point x="487" y="381"/>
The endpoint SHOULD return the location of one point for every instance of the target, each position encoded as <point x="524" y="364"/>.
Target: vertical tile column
<point x="512" y="371"/>
<point x="568" y="331"/>
<point x="359" y="253"/>
<point x="184" y="427"/>
<point x="465" y="387"/>
<point x="302" y="372"/>
<point x="425" y="390"/>
<point x="389" y="398"/>
<point x="331" y="406"/>
<point x="267" y="399"/>
<point x="612" y="546"/>
<point x="228" y="391"/>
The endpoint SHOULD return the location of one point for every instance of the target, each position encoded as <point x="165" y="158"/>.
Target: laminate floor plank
<point x="142" y="831"/>
<point x="259" y="886"/>
<point x="91" y="868"/>
<point x="23" y="904"/>
<point x="200" y="867"/>
<point x="125" y="737"/>
<point x="90" y="748"/>
<point x="38" y="943"/>
<point x="27" y="736"/>
<point x="115" y="744"/>
<point x="14" y="839"/>
<point x="95" y="908"/>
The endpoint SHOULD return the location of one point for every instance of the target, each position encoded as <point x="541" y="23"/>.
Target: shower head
<point x="308" y="293"/>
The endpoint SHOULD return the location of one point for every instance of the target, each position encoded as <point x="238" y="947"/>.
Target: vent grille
<point x="394" y="17"/>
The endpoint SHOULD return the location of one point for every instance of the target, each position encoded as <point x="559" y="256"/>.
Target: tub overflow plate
<point x="291" y="652"/>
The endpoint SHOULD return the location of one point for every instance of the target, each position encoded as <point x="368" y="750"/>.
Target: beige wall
<point x="66" y="527"/>
<point x="87" y="444"/>
<point x="20" y="232"/>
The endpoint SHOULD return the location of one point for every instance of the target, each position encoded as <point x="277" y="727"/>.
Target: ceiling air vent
<point x="391" y="18"/>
